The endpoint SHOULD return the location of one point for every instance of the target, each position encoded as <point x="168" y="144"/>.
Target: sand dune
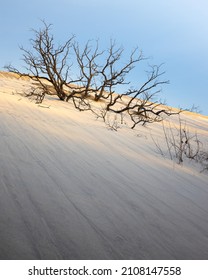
<point x="72" y="189"/>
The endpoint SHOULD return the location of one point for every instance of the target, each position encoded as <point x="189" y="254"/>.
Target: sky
<point x="173" y="32"/>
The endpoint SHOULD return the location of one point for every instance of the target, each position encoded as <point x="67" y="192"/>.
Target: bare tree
<point x="48" y="61"/>
<point x="113" y="72"/>
<point x="88" y="67"/>
<point x="140" y="103"/>
<point x="100" y="73"/>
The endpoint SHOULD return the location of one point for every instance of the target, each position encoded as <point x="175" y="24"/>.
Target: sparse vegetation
<point x="181" y="145"/>
<point x="100" y="72"/>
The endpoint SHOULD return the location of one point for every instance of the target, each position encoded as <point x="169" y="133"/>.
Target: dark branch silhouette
<point x="100" y="72"/>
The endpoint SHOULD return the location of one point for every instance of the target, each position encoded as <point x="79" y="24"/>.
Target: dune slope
<point x="72" y="189"/>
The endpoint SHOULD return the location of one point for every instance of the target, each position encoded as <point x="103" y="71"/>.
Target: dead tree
<point x="113" y="72"/>
<point x="48" y="61"/>
<point x="140" y="103"/>
<point x="100" y="73"/>
<point x="88" y="67"/>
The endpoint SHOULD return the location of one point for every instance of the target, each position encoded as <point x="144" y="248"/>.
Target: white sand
<point x="71" y="189"/>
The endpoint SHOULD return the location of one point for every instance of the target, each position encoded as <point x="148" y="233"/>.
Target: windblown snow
<point x="72" y="189"/>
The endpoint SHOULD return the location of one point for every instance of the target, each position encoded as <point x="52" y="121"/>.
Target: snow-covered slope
<point x="72" y="189"/>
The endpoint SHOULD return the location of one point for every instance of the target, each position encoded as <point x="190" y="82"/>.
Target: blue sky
<point x="173" y="32"/>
